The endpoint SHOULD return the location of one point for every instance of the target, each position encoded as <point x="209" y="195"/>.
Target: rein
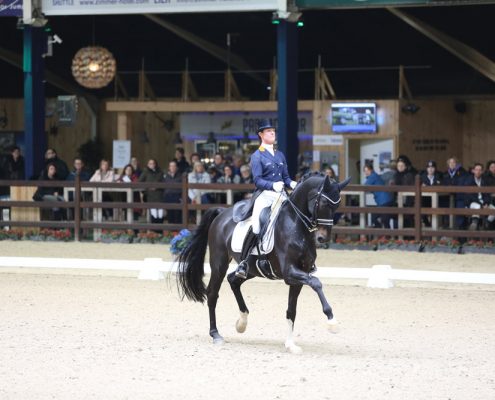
<point x="312" y="223"/>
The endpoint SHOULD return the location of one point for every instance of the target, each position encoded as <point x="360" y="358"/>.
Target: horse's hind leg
<point x="235" y="285"/>
<point x="218" y="271"/>
<point x="291" y="317"/>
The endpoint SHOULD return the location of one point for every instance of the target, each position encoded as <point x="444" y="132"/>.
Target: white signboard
<point x="236" y="124"/>
<point x="93" y="7"/>
<point x="328" y="140"/>
<point x="121" y="153"/>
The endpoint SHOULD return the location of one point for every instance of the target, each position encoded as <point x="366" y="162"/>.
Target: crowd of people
<point x="235" y="169"/>
<point x="403" y="173"/>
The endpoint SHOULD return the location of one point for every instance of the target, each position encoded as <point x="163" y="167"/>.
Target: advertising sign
<point x="10" y="8"/>
<point x="93" y="7"/>
<point x="121" y="153"/>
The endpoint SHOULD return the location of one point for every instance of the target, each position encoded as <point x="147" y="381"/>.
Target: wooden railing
<point x="78" y="223"/>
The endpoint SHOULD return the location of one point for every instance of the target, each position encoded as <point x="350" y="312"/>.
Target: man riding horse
<point x="270" y="175"/>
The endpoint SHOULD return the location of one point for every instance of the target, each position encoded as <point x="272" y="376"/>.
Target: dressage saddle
<point x="244" y="209"/>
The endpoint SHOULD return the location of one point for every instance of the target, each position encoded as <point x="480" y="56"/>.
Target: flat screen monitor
<point x="353" y="117"/>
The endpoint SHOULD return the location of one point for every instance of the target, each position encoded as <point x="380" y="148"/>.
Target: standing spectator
<point x="50" y="193"/>
<point x="173" y="196"/>
<point x="51" y="157"/>
<point x="14" y="167"/>
<point x="199" y="175"/>
<point x="405" y="177"/>
<point x="330" y="173"/>
<point x="153" y="173"/>
<point x="477" y="201"/>
<point x="455" y="176"/>
<point x="104" y="174"/>
<point x="429" y="177"/>
<point x="78" y="170"/>
<point x="382" y="199"/>
<point x="135" y="165"/>
<point x="388" y="175"/>
<point x="181" y="161"/>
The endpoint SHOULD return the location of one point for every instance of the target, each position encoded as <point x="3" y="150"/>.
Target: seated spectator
<point x="382" y="199"/>
<point x="199" y="175"/>
<point x="246" y="177"/>
<point x="129" y="176"/>
<point x="153" y="173"/>
<point x="135" y="165"/>
<point x="228" y="176"/>
<point x="78" y="170"/>
<point x="429" y="177"/>
<point x="237" y="162"/>
<point x="455" y="176"/>
<point x="50" y="193"/>
<point x="215" y="175"/>
<point x="477" y="201"/>
<point x="330" y="173"/>
<point x="490" y="173"/>
<point x="181" y="161"/>
<point x="104" y="174"/>
<point x="219" y="162"/>
<point x="195" y="157"/>
<point x="51" y="157"/>
<point x="173" y="196"/>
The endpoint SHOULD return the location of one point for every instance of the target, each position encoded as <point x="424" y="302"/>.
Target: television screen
<point x="354" y="117"/>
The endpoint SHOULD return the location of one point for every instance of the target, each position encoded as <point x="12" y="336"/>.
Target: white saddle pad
<point x="267" y="242"/>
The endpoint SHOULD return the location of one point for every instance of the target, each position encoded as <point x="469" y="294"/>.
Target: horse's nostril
<point x="320" y="239"/>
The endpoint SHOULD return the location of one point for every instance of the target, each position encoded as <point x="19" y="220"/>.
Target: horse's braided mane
<point x="312" y="174"/>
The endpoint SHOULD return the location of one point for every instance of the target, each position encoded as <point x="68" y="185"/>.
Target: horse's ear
<point x="344" y="183"/>
<point x="327" y="185"/>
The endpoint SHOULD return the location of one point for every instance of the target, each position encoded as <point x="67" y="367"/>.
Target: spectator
<point x="104" y="174"/>
<point x="429" y="177"/>
<point x="477" y="201"/>
<point x="135" y="165"/>
<point x="405" y="177"/>
<point x="382" y="199"/>
<point x="490" y="173"/>
<point x="199" y="175"/>
<point x="51" y="157"/>
<point x="14" y="166"/>
<point x="219" y="163"/>
<point x="50" y="193"/>
<point x="330" y="173"/>
<point x="228" y="176"/>
<point x="153" y="173"/>
<point x="388" y="176"/>
<point x="215" y="175"/>
<point x="181" y="161"/>
<point x="455" y="176"/>
<point x="129" y="176"/>
<point x="246" y="177"/>
<point x="173" y="196"/>
<point x="78" y="170"/>
<point x="237" y="162"/>
<point x="195" y="157"/>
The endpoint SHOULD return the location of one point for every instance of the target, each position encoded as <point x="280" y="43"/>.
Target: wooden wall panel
<point x="479" y="132"/>
<point x="433" y="133"/>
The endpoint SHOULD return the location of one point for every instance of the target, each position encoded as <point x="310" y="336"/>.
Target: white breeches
<point x="156" y="212"/>
<point x="477" y="206"/>
<point x="265" y="199"/>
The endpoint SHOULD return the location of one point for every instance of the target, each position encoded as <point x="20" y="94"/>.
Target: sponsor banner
<point x="92" y="7"/>
<point x="10" y="8"/>
<point x="236" y="124"/>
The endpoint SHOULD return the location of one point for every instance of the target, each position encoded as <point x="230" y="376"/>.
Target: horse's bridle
<point x="312" y="223"/>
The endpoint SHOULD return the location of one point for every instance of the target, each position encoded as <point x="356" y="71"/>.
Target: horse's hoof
<point x="241" y="323"/>
<point x="218" y="341"/>
<point x="333" y="326"/>
<point x="293" y="349"/>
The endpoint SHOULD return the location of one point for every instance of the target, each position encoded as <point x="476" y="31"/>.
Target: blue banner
<point x="10" y="8"/>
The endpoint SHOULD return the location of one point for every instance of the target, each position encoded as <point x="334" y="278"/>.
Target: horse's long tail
<point x="190" y="270"/>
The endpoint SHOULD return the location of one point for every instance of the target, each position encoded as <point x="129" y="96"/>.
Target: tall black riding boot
<point x="248" y="245"/>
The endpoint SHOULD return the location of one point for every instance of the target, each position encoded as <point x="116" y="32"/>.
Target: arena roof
<point x="361" y="50"/>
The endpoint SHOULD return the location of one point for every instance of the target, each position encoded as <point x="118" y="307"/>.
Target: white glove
<point x="278" y="186"/>
<point x="293" y="185"/>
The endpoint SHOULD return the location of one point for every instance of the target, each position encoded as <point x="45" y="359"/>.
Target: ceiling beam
<point x="470" y="56"/>
<point x="216" y="51"/>
<point x="16" y="60"/>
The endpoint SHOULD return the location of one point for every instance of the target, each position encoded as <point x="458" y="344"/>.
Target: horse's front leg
<point x="294" y="276"/>
<point x="291" y="318"/>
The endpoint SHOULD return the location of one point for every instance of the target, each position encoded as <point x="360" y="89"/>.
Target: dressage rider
<point x="270" y="175"/>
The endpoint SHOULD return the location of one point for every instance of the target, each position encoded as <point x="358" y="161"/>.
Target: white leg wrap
<point x="241" y="323"/>
<point x="333" y="326"/>
<point x="289" y="342"/>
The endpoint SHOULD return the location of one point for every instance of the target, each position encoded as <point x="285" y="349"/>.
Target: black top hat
<point x="431" y="164"/>
<point x="264" y="124"/>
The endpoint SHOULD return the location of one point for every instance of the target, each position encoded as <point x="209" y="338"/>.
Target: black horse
<point x="306" y="217"/>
